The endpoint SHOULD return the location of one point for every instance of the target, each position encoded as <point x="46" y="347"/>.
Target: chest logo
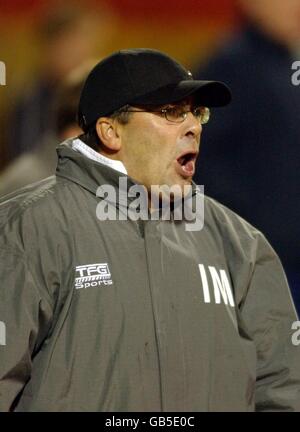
<point x="92" y="275"/>
<point x="219" y="283"/>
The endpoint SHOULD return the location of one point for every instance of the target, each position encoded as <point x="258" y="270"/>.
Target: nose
<point x="192" y="126"/>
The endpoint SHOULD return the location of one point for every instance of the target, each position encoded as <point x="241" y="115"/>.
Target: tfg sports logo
<point x="92" y="275"/>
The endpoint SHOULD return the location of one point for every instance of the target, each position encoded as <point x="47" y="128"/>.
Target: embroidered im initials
<point x="220" y="285"/>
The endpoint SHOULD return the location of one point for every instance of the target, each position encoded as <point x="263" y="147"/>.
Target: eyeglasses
<point x="177" y="114"/>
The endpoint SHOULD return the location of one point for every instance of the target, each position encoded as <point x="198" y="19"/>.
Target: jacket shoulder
<point x="15" y="203"/>
<point x="33" y="204"/>
<point x="228" y="223"/>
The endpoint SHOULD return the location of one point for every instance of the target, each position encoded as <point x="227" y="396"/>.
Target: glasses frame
<point x="203" y="117"/>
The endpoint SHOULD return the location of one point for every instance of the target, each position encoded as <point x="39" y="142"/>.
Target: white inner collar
<point x="88" y="152"/>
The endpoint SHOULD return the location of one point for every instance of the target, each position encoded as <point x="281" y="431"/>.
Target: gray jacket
<point x="138" y="315"/>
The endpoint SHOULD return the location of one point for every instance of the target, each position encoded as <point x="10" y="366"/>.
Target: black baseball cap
<point x="143" y="77"/>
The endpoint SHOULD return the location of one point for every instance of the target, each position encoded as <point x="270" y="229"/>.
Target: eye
<point x="175" y="113"/>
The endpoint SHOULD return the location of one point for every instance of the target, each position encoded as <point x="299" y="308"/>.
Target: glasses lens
<point x="175" y="114"/>
<point x="203" y="114"/>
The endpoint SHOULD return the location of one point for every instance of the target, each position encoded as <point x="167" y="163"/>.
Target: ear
<point x="107" y="132"/>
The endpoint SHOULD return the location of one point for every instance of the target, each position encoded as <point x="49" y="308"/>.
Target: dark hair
<point x="90" y="136"/>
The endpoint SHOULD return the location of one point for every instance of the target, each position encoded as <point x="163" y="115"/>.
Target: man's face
<point x="156" y="151"/>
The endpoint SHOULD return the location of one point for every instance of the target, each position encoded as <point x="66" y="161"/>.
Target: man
<point x="133" y="314"/>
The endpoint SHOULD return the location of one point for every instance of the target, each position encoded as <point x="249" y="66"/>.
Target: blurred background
<point x="41" y="41"/>
<point x="250" y="151"/>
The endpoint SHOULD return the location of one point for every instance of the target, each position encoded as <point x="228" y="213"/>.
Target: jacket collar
<point x="79" y="145"/>
<point x="84" y="171"/>
<point x="91" y="174"/>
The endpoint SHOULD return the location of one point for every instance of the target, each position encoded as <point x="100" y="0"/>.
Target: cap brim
<point x="207" y="93"/>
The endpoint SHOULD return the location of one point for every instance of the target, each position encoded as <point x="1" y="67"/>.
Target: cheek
<point x="152" y="146"/>
<point x="145" y="146"/>
<point x="134" y="145"/>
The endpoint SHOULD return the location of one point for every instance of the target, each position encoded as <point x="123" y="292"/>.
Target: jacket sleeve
<point x="25" y="319"/>
<point x="268" y="313"/>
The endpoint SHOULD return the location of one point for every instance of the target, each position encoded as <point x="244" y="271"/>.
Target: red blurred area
<point x="223" y="10"/>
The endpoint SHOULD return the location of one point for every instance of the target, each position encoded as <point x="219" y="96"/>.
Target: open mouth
<point x="186" y="163"/>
